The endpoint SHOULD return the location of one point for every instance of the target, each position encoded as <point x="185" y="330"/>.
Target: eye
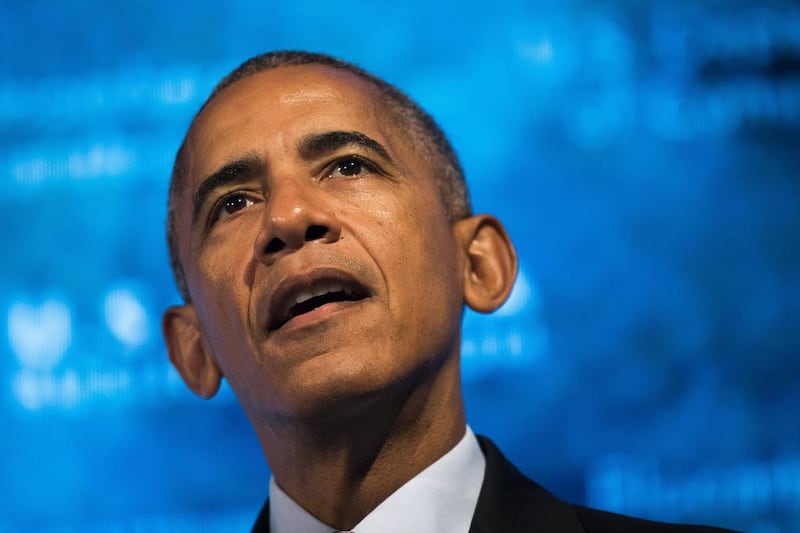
<point x="230" y="205"/>
<point x="350" y="166"/>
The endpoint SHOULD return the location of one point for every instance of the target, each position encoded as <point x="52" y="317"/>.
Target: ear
<point x="187" y="351"/>
<point x="490" y="266"/>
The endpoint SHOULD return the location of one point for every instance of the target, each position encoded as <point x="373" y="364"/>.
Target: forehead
<point x="268" y="111"/>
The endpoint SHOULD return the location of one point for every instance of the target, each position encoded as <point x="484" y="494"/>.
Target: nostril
<point x="315" y="232"/>
<point x="275" y="245"/>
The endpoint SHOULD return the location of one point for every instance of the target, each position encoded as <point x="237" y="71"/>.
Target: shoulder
<point x="510" y="501"/>
<point x="595" y="521"/>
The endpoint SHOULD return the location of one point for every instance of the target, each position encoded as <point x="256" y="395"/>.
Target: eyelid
<point x="369" y="165"/>
<point x="216" y="208"/>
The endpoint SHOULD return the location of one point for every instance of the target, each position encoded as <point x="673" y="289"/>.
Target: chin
<point x="348" y="388"/>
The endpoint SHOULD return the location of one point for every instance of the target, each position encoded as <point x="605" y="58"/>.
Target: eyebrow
<point x="232" y="173"/>
<point x="310" y="147"/>
<point x="320" y="144"/>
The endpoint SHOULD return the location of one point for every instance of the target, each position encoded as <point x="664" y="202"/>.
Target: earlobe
<point x="490" y="266"/>
<point x="187" y="352"/>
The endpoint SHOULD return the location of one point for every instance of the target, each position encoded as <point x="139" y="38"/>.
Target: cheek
<point x="221" y="290"/>
<point x="227" y="255"/>
<point x="414" y="246"/>
<point x="222" y="307"/>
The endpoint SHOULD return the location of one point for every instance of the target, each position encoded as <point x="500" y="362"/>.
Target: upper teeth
<point x="305" y="295"/>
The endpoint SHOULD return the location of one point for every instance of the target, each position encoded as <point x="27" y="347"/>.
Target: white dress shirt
<point x="440" y="498"/>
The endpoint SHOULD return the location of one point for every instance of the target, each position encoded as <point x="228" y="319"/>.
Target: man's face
<point x="316" y="248"/>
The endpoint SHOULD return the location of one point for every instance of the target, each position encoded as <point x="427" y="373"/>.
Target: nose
<point x="295" y="215"/>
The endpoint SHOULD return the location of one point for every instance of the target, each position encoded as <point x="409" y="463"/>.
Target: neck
<point x="341" y="470"/>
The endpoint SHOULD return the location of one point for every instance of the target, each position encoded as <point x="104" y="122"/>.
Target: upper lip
<point x="297" y="288"/>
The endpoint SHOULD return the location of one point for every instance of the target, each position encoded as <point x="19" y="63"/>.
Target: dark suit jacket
<point x="511" y="503"/>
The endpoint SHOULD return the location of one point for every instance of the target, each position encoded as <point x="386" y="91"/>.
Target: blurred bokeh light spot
<point x="177" y="91"/>
<point x="39" y="334"/>
<point x="99" y="161"/>
<point x="126" y="317"/>
<point x="537" y="52"/>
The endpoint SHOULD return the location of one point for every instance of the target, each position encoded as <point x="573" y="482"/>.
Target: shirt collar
<point x="440" y="498"/>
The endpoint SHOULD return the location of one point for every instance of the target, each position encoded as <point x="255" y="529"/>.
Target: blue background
<point x="644" y="156"/>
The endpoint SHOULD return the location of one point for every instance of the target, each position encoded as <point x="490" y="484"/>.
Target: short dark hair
<point x="423" y="128"/>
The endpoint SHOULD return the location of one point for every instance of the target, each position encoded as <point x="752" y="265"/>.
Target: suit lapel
<point x="509" y="501"/>
<point x="262" y="522"/>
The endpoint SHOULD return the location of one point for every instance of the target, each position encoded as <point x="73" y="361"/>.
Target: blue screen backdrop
<point x="645" y="157"/>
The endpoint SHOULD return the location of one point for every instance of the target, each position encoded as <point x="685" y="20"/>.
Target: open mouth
<point x="306" y="298"/>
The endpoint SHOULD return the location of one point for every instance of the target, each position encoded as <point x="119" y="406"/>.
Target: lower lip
<point x="318" y="315"/>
